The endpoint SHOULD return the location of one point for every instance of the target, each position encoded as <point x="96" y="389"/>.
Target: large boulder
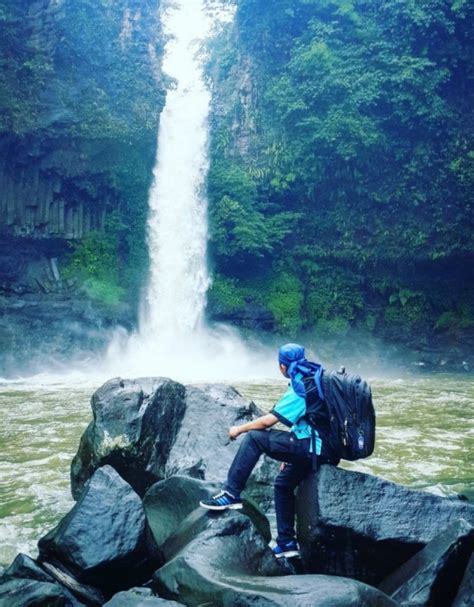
<point x="363" y="527"/>
<point x="150" y="429"/>
<point x="170" y="502"/>
<point x="228" y="563"/>
<point x="25" y="567"/>
<point x="432" y="576"/>
<point x="203" y="448"/>
<point x="134" y="427"/>
<point x="23" y="592"/>
<point x="102" y="541"/>
<point x="16" y="587"/>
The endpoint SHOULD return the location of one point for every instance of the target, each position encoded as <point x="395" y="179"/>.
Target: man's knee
<point x="257" y="437"/>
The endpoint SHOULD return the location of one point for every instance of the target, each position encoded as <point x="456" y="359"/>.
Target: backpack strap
<point x="314" y="455"/>
<point x="317" y="380"/>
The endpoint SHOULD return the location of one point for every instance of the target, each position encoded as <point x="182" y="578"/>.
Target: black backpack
<point x="351" y="411"/>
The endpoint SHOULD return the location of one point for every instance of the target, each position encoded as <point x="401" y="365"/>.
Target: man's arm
<point x="261" y="423"/>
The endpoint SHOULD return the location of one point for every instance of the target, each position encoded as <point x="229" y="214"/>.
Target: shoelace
<point x="218" y="495"/>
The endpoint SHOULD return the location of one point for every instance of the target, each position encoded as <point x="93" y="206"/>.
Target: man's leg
<point x="277" y="444"/>
<point x="285" y="484"/>
<point x="252" y="446"/>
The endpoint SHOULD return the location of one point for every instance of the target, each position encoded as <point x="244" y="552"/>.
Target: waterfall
<point x="173" y="338"/>
<point x="177" y="224"/>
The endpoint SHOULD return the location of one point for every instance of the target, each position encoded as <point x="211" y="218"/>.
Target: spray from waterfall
<point x="173" y="338"/>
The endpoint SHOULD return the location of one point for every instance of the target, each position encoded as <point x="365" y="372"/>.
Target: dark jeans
<point x="284" y="447"/>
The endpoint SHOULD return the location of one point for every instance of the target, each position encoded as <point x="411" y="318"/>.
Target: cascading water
<point x="173" y="338"/>
<point x="177" y="225"/>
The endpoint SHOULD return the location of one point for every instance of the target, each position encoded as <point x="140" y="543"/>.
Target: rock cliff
<point x="81" y="93"/>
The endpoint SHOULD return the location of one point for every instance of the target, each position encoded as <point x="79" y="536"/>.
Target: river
<point x="424" y="440"/>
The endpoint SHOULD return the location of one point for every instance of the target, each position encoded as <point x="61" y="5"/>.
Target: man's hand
<point x="234" y="432"/>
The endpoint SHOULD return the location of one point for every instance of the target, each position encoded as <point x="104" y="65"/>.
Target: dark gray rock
<point x="432" y="576"/>
<point x="203" y="448"/>
<point x="465" y="595"/>
<point x="26" y="568"/>
<point x="363" y="527"/>
<point x="139" y="597"/>
<point x="168" y="504"/>
<point x="19" y="592"/>
<point x="102" y="541"/>
<point x="135" y="425"/>
<point x="150" y="429"/>
<point x="87" y="594"/>
<point x="229" y="564"/>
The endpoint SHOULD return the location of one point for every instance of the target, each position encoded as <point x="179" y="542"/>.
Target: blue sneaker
<point x="222" y="501"/>
<point x="288" y="549"/>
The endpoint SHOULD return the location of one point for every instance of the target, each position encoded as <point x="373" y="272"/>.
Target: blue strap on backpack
<point x="307" y="369"/>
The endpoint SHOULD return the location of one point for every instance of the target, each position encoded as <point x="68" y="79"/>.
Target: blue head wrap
<point x="292" y="356"/>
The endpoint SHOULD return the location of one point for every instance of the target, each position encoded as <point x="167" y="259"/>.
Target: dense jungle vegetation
<point x="351" y="206"/>
<point x="341" y="174"/>
<point x="80" y="95"/>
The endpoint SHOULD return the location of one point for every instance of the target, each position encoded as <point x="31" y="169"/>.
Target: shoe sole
<point x="229" y="507"/>
<point x="290" y="554"/>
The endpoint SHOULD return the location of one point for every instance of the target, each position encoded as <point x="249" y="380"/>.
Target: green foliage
<point x="226" y="295"/>
<point x="333" y="301"/>
<point x="285" y="301"/>
<point x="457" y="320"/>
<point x="407" y="314"/>
<point x="239" y="229"/>
<point x="361" y="136"/>
<point x="227" y="179"/>
<point x="95" y="262"/>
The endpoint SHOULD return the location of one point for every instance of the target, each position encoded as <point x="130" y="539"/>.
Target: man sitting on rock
<point x="303" y="446"/>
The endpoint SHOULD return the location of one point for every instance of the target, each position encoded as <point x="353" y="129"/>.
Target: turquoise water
<point x="425" y="439"/>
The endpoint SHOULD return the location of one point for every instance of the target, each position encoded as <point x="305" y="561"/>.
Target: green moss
<point x="94" y="263"/>
<point x="104" y="290"/>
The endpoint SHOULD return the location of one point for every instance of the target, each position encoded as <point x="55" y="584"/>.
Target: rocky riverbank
<point x="136" y="538"/>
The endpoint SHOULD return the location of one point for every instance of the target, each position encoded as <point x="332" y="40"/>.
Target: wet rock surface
<point x="24" y="567"/>
<point x="102" y="541"/>
<point x="229" y="563"/>
<point x="168" y="503"/>
<point x="135" y="425"/>
<point x="25" y="582"/>
<point x="152" y="428"/>
<point x="465" y="595"/>
<point x="432" y="576"/>
<point x="139" y="597"/>
<point x="363" y="527"/>
<point x="32" y="593"/>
